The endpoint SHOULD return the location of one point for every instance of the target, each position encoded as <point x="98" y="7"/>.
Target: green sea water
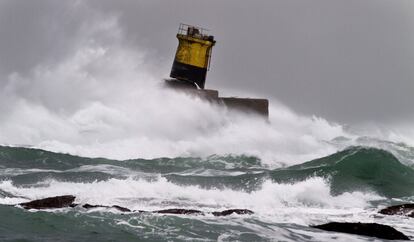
<point x="350" y="185"/>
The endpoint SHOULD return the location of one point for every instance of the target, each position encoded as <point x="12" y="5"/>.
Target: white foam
<point x="302" y="203"/>
<point x="271" y="198"/>
<point x="106" y="101"/>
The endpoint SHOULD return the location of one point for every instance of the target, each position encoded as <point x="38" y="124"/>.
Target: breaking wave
<point x="149" y="148"/>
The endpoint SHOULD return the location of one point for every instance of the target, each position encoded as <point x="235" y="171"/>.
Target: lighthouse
<point x="189" y="71"/>
<point x="193" y="55"/>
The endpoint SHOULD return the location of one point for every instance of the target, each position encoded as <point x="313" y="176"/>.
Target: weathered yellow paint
<point x="193" y="51"/>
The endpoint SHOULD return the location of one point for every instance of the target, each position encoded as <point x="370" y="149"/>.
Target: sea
<point x="100" y="126"/>
<point x="350" y="185"/>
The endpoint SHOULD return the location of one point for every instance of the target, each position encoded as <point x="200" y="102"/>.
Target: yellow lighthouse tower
<point x="189" y="71"/>
<point x="192" y="59"/>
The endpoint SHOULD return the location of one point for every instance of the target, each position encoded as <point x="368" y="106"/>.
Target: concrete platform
<point x="249" y="105"/>
<point x="253" y="105"/>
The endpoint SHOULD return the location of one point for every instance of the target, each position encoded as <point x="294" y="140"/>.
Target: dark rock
<point x="367" y="229"/>
<point x="50" y="202"/>
<point x="122" y="209"/>
<point x="403" y="209"/>
<point x="179" y="211"/>
<point x="231" y="211"/>
<point x="88" y="206"/>
<point x="191" y="211"/>
<point x="67" y="201"/>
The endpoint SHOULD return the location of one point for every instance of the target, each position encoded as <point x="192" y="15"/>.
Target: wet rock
<point x="231" y="211"/>
<point x="88" y="206"/>
<point x="73" y="205"/>
<point x="198" y="212"/>
<point x="67" y="201"/>
<point x="179" y="211"/>
<point x="122" y="209"/>
<point x="367" y="229"/>
<point x="403" y="209"/>
<point x="50" y="202"/>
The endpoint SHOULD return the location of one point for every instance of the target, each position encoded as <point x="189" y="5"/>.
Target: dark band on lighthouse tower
<point x="192" y="59"/>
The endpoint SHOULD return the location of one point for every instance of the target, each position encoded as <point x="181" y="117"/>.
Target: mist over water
<point x="105" y="100"/>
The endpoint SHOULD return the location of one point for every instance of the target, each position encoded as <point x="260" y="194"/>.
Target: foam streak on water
<point x="285" y="201"/>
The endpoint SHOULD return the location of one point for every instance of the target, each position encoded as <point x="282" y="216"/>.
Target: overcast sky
<point x="345" y="60"/>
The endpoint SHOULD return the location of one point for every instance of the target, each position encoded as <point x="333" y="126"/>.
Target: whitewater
<point x="99" y="125"/>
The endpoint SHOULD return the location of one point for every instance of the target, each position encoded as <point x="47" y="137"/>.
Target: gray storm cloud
<point x="348" y="60"/>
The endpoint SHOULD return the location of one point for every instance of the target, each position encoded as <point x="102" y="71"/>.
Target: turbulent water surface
<point x="104" y="99"/>
<point x="350" y="185"/>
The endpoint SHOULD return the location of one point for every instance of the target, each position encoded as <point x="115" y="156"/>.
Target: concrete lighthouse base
<point x="257" y="106"/>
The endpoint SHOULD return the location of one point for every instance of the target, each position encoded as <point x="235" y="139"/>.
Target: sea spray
<point x="104" y="99"/>
<point x="142" y="120"/>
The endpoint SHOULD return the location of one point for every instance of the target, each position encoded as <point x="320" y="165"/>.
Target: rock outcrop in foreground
<point x="50" y="202"/>
<point x="68" y="201"/>
<point x="367" y="229"/>
<point x="403" y="210"/>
